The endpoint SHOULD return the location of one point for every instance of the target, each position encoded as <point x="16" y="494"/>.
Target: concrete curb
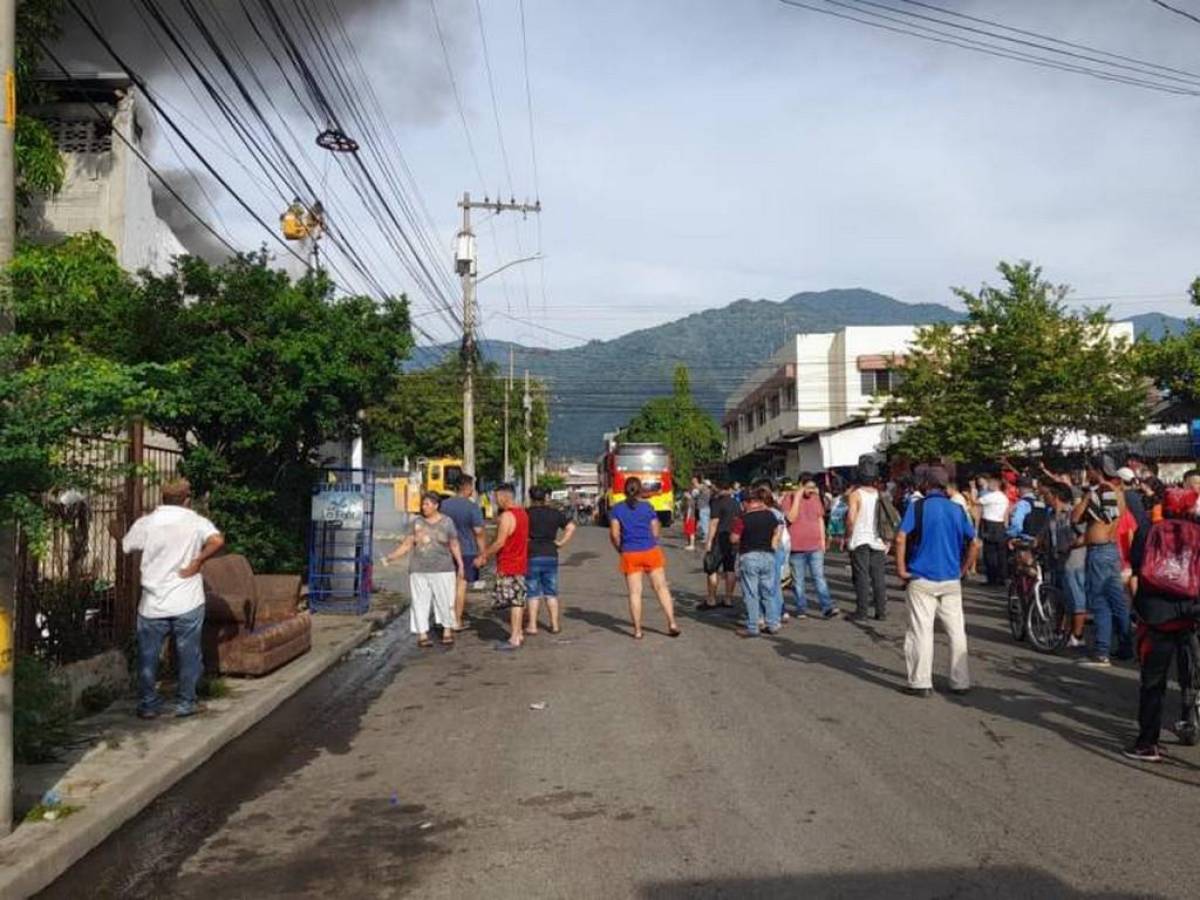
<point x="36" y="853"/>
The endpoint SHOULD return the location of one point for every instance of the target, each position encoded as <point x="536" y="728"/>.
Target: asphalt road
<point x="705" y="766"/>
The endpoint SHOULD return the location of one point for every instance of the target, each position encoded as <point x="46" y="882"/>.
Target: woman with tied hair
<point x="434" y="571"/>
<point x="634" y="531"/>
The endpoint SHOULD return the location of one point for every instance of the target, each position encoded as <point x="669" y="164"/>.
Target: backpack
<point x="887" y="518"/>
<point x="1171" y="563"/>
<point x="1037" y="520"/>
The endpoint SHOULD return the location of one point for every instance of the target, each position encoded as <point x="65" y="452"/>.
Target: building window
<point x="80" y="135"/>
<point x="773" y="402"/>
<point x="791" y="396"/>
<point x="733" y="431"/>
<point x="762" y="414"/>
<point x="881" y="382"/>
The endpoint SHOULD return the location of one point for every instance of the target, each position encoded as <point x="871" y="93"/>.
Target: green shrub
<point x="41" y="712"/>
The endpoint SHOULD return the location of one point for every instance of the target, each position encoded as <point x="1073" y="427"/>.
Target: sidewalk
<point x="125" y="762"/>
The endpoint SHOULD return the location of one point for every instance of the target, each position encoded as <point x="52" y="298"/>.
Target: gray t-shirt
<point x="431" y="545"/>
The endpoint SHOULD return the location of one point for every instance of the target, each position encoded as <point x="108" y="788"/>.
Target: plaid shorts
<point x="510" y="591"/>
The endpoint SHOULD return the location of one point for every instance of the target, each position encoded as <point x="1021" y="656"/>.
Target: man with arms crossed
<point x="174" y="542"/>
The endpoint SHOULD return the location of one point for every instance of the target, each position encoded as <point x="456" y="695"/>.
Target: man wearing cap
<point x="935" y="548"/>
<point x="1025" y="505"/>
<point x="1099" y="510"/>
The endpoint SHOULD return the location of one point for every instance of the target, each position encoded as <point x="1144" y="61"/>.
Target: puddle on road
<point x="143" y="856"/>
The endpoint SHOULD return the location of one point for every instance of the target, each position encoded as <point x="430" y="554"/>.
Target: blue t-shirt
<point x="466" y="516"/>
<point x="945" y="528"/>
<point x="636" y="533"/>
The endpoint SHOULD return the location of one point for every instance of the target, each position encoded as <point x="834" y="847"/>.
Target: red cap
<point x="1009" y="475"/>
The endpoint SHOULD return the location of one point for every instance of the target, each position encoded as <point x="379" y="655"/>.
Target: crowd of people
<point x="1093" y="530"/>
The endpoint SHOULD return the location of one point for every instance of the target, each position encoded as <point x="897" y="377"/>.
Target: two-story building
<point x="816" y="405"/>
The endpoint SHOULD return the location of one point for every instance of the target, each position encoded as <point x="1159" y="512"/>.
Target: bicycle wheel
<point x="1016" y="609"/>
<point x="1045" y="619"/>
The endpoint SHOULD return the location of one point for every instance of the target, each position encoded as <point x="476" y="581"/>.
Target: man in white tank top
<point x="868" y="553"/>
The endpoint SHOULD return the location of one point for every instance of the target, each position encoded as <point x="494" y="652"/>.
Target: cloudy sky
<point x="693" y="152"/>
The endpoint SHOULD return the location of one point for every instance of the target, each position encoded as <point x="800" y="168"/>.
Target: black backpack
<point x="1037" y="520"/>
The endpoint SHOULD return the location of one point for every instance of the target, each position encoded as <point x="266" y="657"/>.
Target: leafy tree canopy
<point x="1022" y="368"/>
<point x="422" y="417"/>
<point x="689" y="433"/>
<point x="1174" y="361"/>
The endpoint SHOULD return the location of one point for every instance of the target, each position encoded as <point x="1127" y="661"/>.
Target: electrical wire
<point x="1177" y="11"/>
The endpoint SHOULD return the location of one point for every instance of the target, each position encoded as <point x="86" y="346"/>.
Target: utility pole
<point x="466" y="265"/>
<point x="507" y="391"/>
<point x="528" y="437"/>
<point x="8" y="538"/>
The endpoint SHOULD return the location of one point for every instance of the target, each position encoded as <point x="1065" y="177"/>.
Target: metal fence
<point x="77" y="593"/>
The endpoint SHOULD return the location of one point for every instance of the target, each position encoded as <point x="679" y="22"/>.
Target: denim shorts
<point x="542" y="580"/>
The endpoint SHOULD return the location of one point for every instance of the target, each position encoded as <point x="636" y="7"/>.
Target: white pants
<point x="431" y="590"/>
<point x="927" y="600"/>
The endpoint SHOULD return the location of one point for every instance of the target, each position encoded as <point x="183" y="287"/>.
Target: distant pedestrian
<point x="545" y="522"/>
<point x="756" y="535"/>
<point x="634" y="531"/>
<point x="724" y="509"/>
<point x="467" y="517"/>
<point x="868" y="551"/>
<point x="806" y="529"/>
<point x="689" y="521"/>
<point x="702" y="494"/>
<point x="994" y="508"/>
<point x="511" y="549"/>
<point x="175" y="542"/>
<point x="436" y="567"/>
<point x="934" y="550"/>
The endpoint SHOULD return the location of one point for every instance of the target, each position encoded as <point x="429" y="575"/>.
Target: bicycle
<point x="1037" y="609"/>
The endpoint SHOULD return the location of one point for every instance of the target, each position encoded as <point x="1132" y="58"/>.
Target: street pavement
<point x="705" y="766"/>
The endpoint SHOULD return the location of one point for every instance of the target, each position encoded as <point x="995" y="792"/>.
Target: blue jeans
<point x="542" y="580"/>
<point x="704" y="522"/>
<point x="1075" y="586"/>
<point x="759" y="575"/>
<point x="812" y="561"/>
<point x="1106" y="599"/>
<point x="781" y="560"/>
<point x="150" y="636"/>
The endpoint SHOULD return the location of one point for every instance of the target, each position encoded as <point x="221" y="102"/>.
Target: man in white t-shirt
<point x="993" y="505"/>
<point x="174" y="542"/>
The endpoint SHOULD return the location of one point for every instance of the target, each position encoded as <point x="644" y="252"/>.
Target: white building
<point x="816" y="404"/>
<point x="107" y="188"/>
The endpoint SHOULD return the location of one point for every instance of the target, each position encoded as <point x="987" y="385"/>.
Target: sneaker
<point x="1097" y="662"/>
<point x="924" y="693"/>
<point x="147" y="713"/>
<point x="1074" y="643"/>
<point x="186" y="710"/>
<point x="832" y="613"/>
<point x="786" y="617"/>
<point x="1142" y="754"/>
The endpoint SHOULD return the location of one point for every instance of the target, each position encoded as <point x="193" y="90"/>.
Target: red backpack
<point x="1171" y="563"/>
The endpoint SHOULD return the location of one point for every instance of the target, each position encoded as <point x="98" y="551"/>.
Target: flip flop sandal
<point x="424" y="642"/>
<point x="506" y="647"/>
<point x="674" y="632"/>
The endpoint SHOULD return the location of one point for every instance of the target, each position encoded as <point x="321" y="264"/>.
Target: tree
<point x="1173" y="363"/>
<point x="688" y="432"/>
<point x="422" y="417"/>
<point x="39" y="165"/>
<point x="1021" y="369"/>
<point x="250" y="372"/>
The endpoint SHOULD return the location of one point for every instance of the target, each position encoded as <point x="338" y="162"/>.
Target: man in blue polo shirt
<point x="941" y="548"/>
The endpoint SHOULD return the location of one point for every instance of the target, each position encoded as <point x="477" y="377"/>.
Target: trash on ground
<point x="364" y="651"/>
<point x="538" y="706"/>
<point x="425" y="826"/>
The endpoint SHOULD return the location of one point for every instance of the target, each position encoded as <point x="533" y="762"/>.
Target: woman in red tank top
<point x="511" y="549"/>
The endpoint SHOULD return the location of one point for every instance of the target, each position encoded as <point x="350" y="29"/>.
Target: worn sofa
<point x="253" y="624"/>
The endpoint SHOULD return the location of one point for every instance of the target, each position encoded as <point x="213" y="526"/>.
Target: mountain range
<point x="596" y="387"/>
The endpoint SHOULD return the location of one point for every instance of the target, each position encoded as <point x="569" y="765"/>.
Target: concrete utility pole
<point x="466" y="266"/>
<point x="8" y="539"/>
<point x="528" y="437"/>
<point x="507" y="392"/>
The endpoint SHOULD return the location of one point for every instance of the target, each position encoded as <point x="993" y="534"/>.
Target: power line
<point x="911" y="29"/>
<point x="1177" y="11"/>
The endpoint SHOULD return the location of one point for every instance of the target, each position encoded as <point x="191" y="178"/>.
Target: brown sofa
<point x="252" y="623"/>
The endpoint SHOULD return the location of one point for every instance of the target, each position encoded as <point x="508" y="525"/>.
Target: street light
<point x="508" y="265"/>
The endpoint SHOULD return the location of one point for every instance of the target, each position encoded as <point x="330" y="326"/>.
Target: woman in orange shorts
<point x="634" y="530"/>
